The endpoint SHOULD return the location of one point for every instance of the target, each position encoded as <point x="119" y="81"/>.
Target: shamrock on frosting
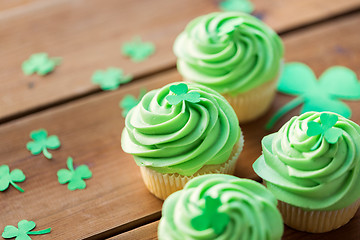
<point x="129" y="102"/>
<point x="42" y="142"/>
<point x="137" y="50"/>
<point x="181" y="94"/>
<point x="211" y="217"/>
<point x="74" y="176"/>
<point x="324" y="95"/>
<point x="325" y="129"/>
<point x="110" y="79"/>
<point x="7" y="178"/>
<point x="237" y="5"/>
<point x="23" y="230"/>
<point x="40" y="63"/>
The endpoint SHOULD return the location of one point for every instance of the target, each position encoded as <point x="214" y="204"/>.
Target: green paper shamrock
<point x="137" y="50"/>
<point x="325" y="128"/>
<point x="129" y="102"/>
<point x="74" y="177"/>
<point x="40" y="63"/>
<point x="181" y="94"/>
<point x="211" y="217"/>
<point x="237" y="5"/>
<point x="42" y="142"/>
<point x="7" y="178"/>
<point x="110" y="79"/>
<point x="321" y="96"/>
<point x="23" y="230"/>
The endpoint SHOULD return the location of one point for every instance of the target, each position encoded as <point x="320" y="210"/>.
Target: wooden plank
<point x="146" y="232"/>
<point x="88" y="36"/>
<point x="116" y="199"/>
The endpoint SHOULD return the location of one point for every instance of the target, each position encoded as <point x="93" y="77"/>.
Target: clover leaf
<point x="211" y="217"/>
<point x="23" y="230"/>
<point x="74" y="177"/>
<point x="181" y="94"/>
<point x="40" y="63"/>
<point x="137" y="50"/>
<point x="7" y="178"/>
<point x="237" y="5"/>
<point x="129" y="102"/>
<point x="42" y="142"/>
<point x="324" y="95"/>
<point x="324" y="129"/>
<point x="110" y="79"/>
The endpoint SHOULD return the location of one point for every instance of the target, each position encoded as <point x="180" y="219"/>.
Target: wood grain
<point x="88" y="35"/>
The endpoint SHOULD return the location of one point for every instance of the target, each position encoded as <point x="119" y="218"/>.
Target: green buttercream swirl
<point x="184" y="137"/>
<point x="251" y="209"/>
<point x="325" y="178"/>
<point x="230" y="52"/>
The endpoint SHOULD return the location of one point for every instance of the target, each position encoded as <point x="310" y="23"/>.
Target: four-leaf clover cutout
<point x="23" y="230"/>
<point x="237" y="5"/>
<point x="325" y="128"/>
<point x="137" y="50"/>
<point x="110" y="79"/>
<point x="129" y="102"/>
<point x="74" y="176"/>
<point x="320" y="96"/>
<point x="211" y="217"/>
<point x="40" y="63"/>
<point x="181" y="94"/>
<point x="42" y="142"/>
<point x="7" y="178"/>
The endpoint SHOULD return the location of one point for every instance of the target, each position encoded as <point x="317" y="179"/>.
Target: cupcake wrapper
<point x="162" y="185"/>
<point x="316" y="221"/>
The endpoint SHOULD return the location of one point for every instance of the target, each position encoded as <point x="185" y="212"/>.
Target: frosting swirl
<point x="249" y="208"/>
<point x="183" y="137"/>
<point x="308" y="171"/>
<point x="230" y="52"/>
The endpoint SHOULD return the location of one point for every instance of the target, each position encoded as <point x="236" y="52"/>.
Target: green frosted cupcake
<point x="180" y="131"/>
<point x="312" y="166"/>
<point x="219" y="206"/>
<point x="235" y="54"/>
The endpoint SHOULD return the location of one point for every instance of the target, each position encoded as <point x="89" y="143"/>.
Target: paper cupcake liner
<point x="253" y="103"/>
<point x="316" y="221"/>
<point x="162" y="185"/>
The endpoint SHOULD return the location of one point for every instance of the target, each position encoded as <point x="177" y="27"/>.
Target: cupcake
<point x="219" y="206"/>
<point x="180" y="131"/>
<point x="235" y="54"/>
<point x="312" y="167"/>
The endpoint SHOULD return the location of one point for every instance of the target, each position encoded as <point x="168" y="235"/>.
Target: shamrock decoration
<point x="137" y="50"/>
<point x="237" y="5"/>
<point x="211" y="217"/>
<point x="325" y="128"/>
<point x="7" y="178"/>
<point x="181" y="94"/>
<point x="129" y="101"/>
<point x="23" y="230"/>
<point x="335" y="83"/>
<point x="42" y="142"/>
<point x="110" y="79"/>
<point x="40" y="63"/>
<point x="74" y="177"/>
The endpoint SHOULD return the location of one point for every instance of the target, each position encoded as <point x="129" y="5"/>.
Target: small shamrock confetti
<point x="23" y="230"/>
<point x="74" y="177"/>
<point x="321" y="96"/>
<point x="137" y="50"/>
<point x="129" y="102"/>
<point x="237" y="5"/>
<point x="110" y="79"/>
<point x="42" y="142"/>
<point x="7" y="178"/>
<point x="181" y="94"/>
<point x="40" y="63"/>
<point x="325" y="128"/>
<point x="211" y="217"/>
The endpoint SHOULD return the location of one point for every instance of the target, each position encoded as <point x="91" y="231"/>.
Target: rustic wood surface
<point x="88" y="36"/>
<point x="89" y="122"/>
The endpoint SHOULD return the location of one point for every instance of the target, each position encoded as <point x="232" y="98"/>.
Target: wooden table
<point x="88" y="36"/>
